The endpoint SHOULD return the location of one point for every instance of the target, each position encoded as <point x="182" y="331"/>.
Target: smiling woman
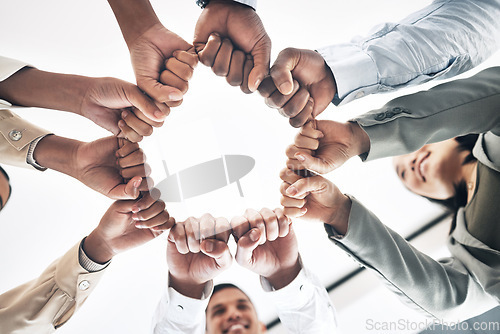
<point x="436" y="170"/>
<point x="460" y="287"/>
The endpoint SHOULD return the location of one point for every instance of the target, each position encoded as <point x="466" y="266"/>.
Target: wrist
<point x="187" y="287"/>
<point x="361" y="140"/>
<point x="340" y="217"/>
<point x="97" y="249"/>
<point x="57" y="153"/>
<point x="284" y="276"/>
<point x="134" y="18"/>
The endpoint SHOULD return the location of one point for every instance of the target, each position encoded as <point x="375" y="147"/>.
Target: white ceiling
<point x="82" y="37"/>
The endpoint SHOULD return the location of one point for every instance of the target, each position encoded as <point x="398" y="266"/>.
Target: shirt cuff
<point x="9" y="66"/>
<point x="354" y="71"/>
<point x="250" y="3"/>
<point x="87" y="263"/>
<point x="185" y="310"/>
<point x="293" y="296"/>
<point x="30" y="158"/>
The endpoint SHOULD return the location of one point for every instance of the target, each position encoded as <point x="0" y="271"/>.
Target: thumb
<point x="315" y="164"/>
<point x="246" y="245"/>
<point x="281" y="71"/>
<point x="261" y="60"/>
<point x="145" y="105"/>
<point x="126" y="191"/>
<point x="314" y="184"/>
<point x="217" y="250"/>
<point x="158" y="91"/>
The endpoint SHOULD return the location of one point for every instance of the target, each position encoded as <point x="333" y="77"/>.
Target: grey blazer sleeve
<point x="452" y="109"/>
<point x="441" y="289"/>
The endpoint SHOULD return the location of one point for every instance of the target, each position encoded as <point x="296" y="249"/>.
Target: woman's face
<point x="433" y="170"/>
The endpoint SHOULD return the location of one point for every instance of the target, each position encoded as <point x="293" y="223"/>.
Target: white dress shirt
<point x="303" y="307"/>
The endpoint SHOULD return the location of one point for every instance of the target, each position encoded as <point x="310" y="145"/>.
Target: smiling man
<point x="230" y="310"/>
<point x="197" y="252"/>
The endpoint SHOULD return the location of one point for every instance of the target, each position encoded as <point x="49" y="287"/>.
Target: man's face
<point x="231" y="312"/>
<point x="4" y="189"/>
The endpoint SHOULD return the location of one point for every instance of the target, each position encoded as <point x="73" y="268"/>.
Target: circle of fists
<point x="197" y="249"/>
<point x="229" y="38"/>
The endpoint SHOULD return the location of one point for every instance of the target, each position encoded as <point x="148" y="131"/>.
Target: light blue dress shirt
<point x="444" y="39"/>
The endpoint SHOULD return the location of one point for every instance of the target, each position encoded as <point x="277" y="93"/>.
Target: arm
<point x="151" y="45"/>
<point x="445" y="290"/>
<point x="452" y="109"/>
<point x="440" y="41"/>
<point x="267" y="245"/>
<point x="407" y="123"/>
<point x="113" y="104"/>
<point x="197" y="252"/>
<point x="45" y="304"/>
<point x="111" y="166"/>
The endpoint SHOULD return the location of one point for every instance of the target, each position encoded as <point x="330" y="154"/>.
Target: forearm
<point x="57" y="153"/>
<point x="31" y="87"/>
<point x="134" y="17"/>
<point x="440" y="41"/>
<point x="452" y="109"/>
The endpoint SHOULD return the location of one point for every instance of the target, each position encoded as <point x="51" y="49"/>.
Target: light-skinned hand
<point x="197" y="251"/>
<point x="314" y="199"/>
<point x="277" y="257"/>
<point x="322" y="146"/>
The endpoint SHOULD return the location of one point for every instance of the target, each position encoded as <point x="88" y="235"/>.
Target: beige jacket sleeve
<point x="46" y="303"/>
<point x="16" y="134"/>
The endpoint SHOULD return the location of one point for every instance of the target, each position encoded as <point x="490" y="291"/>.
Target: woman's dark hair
<point x="452" y="204"/>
